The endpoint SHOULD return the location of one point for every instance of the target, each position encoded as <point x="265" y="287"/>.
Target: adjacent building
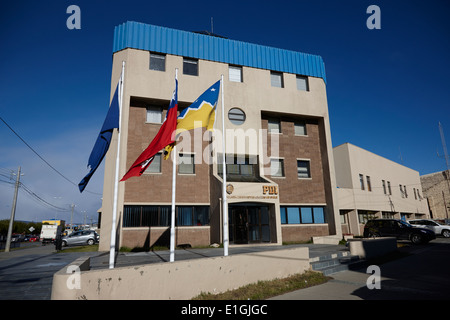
<point x="436" y="188"/>
<point x="370" y="186"/>
<point x="280" y="169"/>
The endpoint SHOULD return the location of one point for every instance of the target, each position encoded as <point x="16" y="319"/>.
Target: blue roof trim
<point x="188" y="44"/>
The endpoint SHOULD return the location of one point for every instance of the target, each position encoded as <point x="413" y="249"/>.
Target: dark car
<point x="81" y="237"/>
<point x="398" y="229"/>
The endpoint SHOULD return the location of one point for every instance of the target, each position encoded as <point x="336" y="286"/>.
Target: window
<point x="236" y="116"/>
<point x="401" y="191"/>
<point x="154" y="114"/>
<point x="300" y="128"/>
<point x="302" y="83"/>
<point x="364" y="216"/>
<point x="369" y="185"/>
<point x="235" y="73"/>
<point x="186" y="164"/>
<point x="303" y="169"/>
<point x="293" y="215"/>
<point x="240" y="168"/>
<point x="277" y="167"/>
<point x="190" y="67"/>
<point x="404" y="190"/>
<point x="274" y="126"/>
<point x="299" y="215"/>
<point x="159" y="216"/>
<point x="157" y="62"/>
<point x="389" y="188"/>
<point x="146" y="216"/>
<point x="384" y="186"/>
<point x="155" y="166"/>
<point x="361" y="181"/>
<point x="276" y="79"/>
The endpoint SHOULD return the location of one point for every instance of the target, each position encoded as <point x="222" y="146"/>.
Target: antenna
<point x="212" y="25"/>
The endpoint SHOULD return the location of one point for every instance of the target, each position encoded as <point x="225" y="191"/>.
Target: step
<point x="333" y="263"/>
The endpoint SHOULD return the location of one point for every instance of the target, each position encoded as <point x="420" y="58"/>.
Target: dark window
<point x="190" y="67"/>
<point x="157" y="62"/>
<point x="159" y="216"/>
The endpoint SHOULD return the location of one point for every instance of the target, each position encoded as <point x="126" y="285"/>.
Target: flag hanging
<point x="103" y="140"/>
<point x="202" y="110"/>
<point x="164" y="137"/>
<point x="201" y="113"/>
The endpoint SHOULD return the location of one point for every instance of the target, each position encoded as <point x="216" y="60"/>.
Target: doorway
<point x="249" y="223"/>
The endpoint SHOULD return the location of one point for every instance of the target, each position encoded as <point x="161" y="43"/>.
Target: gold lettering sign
<point x="270" y="189"/>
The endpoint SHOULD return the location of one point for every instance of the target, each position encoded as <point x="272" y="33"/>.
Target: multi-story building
<point x="280" y="168"/>
<point x="370" y="186"/>
<point x="436" y="188"/>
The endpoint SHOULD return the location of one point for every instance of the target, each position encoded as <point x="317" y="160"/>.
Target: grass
<point x="267" y="289"/>
<point x="92" y="248"/>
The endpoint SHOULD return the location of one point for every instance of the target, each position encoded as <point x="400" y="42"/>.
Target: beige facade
<point x="266" y="199"/>
<point x="436" y="188"/>
<point x="370" y="186"/>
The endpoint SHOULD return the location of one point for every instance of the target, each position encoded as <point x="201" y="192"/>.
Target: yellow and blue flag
<point x="200" y="114"/>
<point x="201" y="110"/>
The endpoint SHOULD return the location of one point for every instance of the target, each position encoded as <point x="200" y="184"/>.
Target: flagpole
<point x="174" y="175"/>
<point x="224" y="184"/>
<point x="116" y="178"/>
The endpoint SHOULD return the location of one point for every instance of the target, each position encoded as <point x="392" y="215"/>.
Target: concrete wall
<point x="372" y="248"/>
<point x="180" y="279"/>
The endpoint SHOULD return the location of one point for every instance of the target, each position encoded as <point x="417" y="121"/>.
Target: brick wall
<point x="291" y="188"/>
<point x="154" y="188"/>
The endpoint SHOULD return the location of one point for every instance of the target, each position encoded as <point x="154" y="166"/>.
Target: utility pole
<point x="13" y="212"/>
<point x="71" y="216"/>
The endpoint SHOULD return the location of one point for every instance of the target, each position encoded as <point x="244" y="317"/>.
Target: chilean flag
<point x="162" y="139"/>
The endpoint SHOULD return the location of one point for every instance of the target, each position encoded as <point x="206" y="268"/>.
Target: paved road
<point x="27" y="273"/>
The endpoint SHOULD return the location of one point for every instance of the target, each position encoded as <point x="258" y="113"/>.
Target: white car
<point x="439" y="229"/>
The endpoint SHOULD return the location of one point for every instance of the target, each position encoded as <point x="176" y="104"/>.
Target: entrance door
<point x="240" y="224"/>
<point x="249" y="223"/>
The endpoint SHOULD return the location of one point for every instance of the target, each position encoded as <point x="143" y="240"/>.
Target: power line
<point x="40" y="157"/>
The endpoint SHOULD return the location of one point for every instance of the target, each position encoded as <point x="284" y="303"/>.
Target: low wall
<point x="367" y="248"/>
<point x="179" y="280"/>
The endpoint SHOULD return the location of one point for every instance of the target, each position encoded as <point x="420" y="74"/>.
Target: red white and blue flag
<point x="164" y="137"/>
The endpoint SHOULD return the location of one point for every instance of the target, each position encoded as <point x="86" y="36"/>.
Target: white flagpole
<point x="174" y="175"/>
<point x="224" y="184"/>
<point x="112" y="249"/>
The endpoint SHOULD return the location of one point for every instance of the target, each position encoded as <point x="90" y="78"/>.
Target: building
<point x="280" y="169"/>
<point x="370" y="186"/>
<point x="436" y="188"/>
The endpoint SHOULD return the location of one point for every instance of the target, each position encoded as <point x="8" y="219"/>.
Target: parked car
<point x="81" y="237"/>
<point x="31" y="238"/>
<point x="17" y="237"/>
<point x="398" y="229"/>
<point x="437" y="228"/>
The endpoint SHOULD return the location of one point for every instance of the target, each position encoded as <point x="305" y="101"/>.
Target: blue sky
<point x="387" y="89"/>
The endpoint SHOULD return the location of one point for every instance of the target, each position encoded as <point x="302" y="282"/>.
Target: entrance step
<point x="333" y="262"/>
